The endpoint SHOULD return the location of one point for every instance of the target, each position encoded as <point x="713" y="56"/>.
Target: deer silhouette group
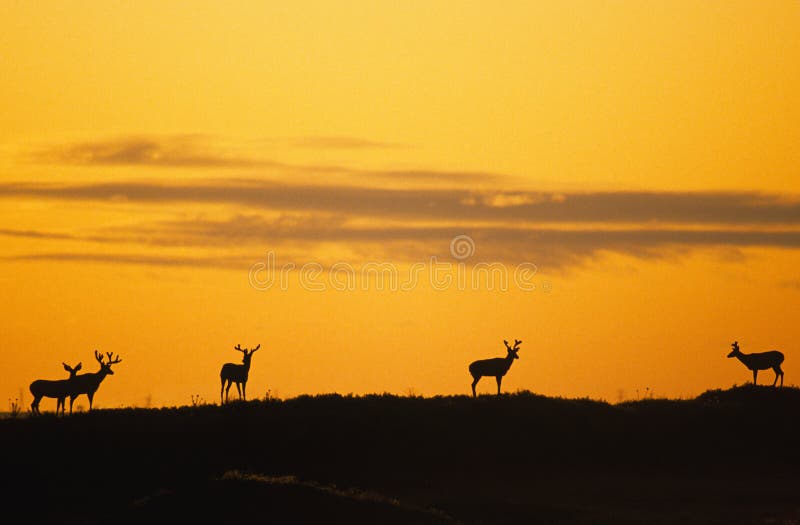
<point x="74" y="386"/>
<point x="78" y="384"/>
<point x="498" y="367"/>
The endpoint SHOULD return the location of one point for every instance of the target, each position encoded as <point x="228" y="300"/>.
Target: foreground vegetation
<point x="726" y="457"/>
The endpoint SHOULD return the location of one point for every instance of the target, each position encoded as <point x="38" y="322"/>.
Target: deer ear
<point x="66" y="367"/>
<point x="77" y="367"/>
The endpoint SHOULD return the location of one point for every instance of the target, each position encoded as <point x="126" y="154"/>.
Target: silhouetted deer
<point x="233" y="373"/>
<point x="760" y="361"/>
<point x="58" y="389"/>
<point x="89" y="383"/>
<point x="496" y="367"/>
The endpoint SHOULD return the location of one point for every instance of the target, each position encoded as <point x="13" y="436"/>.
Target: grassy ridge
<point x="447" y="452"/>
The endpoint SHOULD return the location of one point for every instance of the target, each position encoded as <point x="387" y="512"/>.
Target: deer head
<point x="735" y="351"/>
<point x="513" y="351"/>
<point x="247" y="353"/>
<point x="72" y="371"/>
<point x="106" y="367"/>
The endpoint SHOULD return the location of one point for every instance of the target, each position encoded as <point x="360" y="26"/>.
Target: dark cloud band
<point x="437" y="204"/>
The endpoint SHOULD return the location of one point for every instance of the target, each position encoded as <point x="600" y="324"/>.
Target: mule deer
<point x="233" y="373"/>
<point x="759" y="361"/>
<point x="496" y="367"/>
<point x="89" y="383"/>
<point x="58" y="389"/>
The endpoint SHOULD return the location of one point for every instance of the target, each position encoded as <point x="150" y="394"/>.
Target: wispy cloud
<point x="198" y="151"/>
<point x="457" y="206"/>
<point x="554" y="229"/>
<point x="299" y="236"/>
<point x="136" y="259"/>
<point x="340" y="142"/>
<point x="36" y="234"/>
<point x="173" y="151"/>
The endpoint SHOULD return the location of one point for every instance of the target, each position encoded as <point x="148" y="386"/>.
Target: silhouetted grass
<point x="727" y="456"/>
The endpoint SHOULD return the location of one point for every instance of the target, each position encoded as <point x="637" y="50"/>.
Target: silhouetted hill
<point x="238" y="498"/>
<point x="753" y="396"/>
<point x="727" y="456"/>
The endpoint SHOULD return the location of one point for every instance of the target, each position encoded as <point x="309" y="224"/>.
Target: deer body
<point x="496" y="367"/>
<point x="59" y="389"/>
<point x="89" y="383"/>
<point x="233" y="373"/>
<point x="760" y="361"/>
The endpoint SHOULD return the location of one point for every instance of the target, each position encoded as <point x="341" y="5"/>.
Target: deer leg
<point x="91" y="396"/>
<point x="499" y="380"/>
<point x="475" y="382"/>
<point x="35" y="405"/>
<point x="71" y="400"/>
<point x="227" y="389"/>
<point x="755" y="375"/>
<point x="778" y="372"/>
<point x="244" y="391"/>
<point x="239" y="389"/>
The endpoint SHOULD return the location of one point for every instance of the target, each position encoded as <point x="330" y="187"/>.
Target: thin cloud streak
<point x="175" y="152"/>
<point x="340" y="142"/>
<point x="36" y="234"/>
<point x="233" y="263"/>
<point x="194" y="151"/>
<point x="438" y="204"/>
<point x="300" y="237"/>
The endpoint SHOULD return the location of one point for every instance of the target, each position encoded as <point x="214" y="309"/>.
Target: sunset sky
<point x="642" y="155"/>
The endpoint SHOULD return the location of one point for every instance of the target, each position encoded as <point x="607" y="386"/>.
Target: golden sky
<point x="642" y="155"/>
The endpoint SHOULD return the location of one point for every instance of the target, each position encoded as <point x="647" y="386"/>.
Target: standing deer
<point x="57" y="389"/>
<point x="496" y="367"/>
<point x="89" y="383"/>
<point x="233" y="373"/>
<point x="760" y="361"/>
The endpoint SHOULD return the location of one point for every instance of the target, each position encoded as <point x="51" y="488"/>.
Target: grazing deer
<point x="233" y="373"/>
<point x="496" y="367"/>
<point x="89" y="383"/>
<point x="760" y="361"/>
<point x="57" y="389"/>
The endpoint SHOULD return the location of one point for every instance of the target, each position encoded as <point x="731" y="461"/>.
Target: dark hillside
<point x="726" y="456"/>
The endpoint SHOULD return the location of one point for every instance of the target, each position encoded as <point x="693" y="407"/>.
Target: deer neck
<point x="509" y="361"/>
<point x="100" y="375"/>
<point x="744" y="358"/>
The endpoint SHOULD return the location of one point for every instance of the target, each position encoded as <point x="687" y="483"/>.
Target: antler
<point x="239" y="348"/>
<point x="115" y="361"/>
<point x="517" y="343"/>
<point x="98" y="356"/>
<point x="506" y="343"/>
<point x="256" y="348"/>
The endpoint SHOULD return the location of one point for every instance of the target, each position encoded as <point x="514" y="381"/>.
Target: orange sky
<point x="642" y="155"/>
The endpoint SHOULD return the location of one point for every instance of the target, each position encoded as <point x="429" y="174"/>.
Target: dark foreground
<point x="726" y="457"/>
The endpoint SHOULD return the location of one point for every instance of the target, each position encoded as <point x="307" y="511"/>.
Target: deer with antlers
<point x="759" y="361"/>
<point x="58" y="389"/>
<point x="89" y="383"/>
<point x="497" y="367"/>
<point x="233" y="373"/>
